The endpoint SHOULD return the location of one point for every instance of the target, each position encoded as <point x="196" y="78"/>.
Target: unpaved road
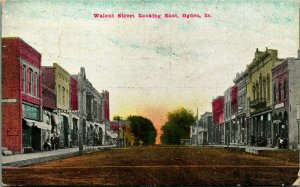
<point x="158" y="165"/>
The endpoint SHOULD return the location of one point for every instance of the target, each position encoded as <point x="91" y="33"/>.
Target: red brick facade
<point x="49" y="94"/>
<point x="218" y="110"/>
<point x="74" y="94"/>
<point x="106" y="115"/>
<point x="16" y="52"/>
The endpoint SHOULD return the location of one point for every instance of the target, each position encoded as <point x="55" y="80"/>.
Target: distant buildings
<point x="218" y="120"/>
<point x="262" y="108"/>
<point x="43" y="102"/>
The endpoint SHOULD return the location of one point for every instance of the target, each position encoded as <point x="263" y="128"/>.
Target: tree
<point x="177" y="127"/>
<point x="142" y="129"/>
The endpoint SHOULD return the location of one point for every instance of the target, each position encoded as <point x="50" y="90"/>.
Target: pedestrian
<point x="47" y="145"/>
<point x="252" y="139"/>
<point x="52" y="141"/>
<point x="56" y="141"/>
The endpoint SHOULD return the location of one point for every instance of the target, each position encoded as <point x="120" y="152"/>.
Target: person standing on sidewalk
<point x="52" y="141"/>
<point x="252" y="139"/>
<point x="56" y="141"/>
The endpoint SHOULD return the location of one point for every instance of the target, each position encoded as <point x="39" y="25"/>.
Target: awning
<point x="76" y="117"/>
<point x="64" y="114"/>
<point x="55" y="118"/>
<point x="112" y="135"/>
<point x="38" y="124"/>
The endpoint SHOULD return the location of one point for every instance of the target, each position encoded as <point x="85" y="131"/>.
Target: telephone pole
<point x="81" y="88"/>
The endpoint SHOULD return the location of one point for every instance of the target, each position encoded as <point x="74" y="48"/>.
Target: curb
<point x="40" y="159"/>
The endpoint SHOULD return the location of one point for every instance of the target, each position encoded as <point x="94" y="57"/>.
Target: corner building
<point x="22" y="125"/>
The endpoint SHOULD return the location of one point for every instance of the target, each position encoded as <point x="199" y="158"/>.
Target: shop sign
<point x="9" y="100"/>
<point x="280" y="105"/>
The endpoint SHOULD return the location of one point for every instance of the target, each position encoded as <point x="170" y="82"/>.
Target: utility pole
<point x="81" y="88"/>
<point x="118" y="140"/>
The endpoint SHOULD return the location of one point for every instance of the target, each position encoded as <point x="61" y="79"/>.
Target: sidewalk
<point x="249" y="149"/>
<point x="34" y="158"/>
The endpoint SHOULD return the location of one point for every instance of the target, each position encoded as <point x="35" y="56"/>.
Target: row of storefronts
<point x="42" y="104"/>
<point x="262" y="107"/>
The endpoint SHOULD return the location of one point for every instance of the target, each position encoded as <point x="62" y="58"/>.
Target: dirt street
<point x="158" y="165"/>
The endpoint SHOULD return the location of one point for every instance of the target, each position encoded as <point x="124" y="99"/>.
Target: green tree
<point x="142" y="129"/>
<point x="177" y="127"/>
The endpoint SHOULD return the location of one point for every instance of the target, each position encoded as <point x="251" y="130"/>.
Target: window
<point x="285" y="89"/>
<point x="260" y="87"/>
<point x="279" y="92"/>
<point x="268" y="87"/>
<point x="257" y="91"/>
<point x="253" y="90"/>
<point x="23" y="78"/>
<point x="34" y="84"/>
<point x="29" y="81"/>
<point x="63" y="95"/>
<point x="58" y="94"/>
<point x="274" y="93"/>
<point x="37" y="85"/>
<point x="264" y="85"/>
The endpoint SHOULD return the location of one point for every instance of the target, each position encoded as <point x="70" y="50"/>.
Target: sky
<point x="154" y="66"/>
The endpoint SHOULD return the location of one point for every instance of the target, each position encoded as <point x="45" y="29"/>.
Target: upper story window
<point x="268" y="87"/>
<point x="285" y="89"/>
<point x="29" y="80"/>
<point x="264" y="87"/>
<point x="279" y="91"/>
<point x="23" y="78"/>
<point x="34" y="84"/>
<point x="63" y="95"/>
<point x="274" y="93"/>
<point x="58" y="94"/>
<point x="253" y="90"/>
<point x="257" y="91"/>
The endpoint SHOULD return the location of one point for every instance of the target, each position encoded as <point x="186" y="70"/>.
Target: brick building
<point x="240" y="81"/>
<point x="22" y="126"/>
<point x="106" y="112"/>
<point x="59" y="78"/>
<point x="286" y="99"/>
<point x="218" y="120"/>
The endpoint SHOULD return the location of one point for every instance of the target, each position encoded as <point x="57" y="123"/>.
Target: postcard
<point x="149" y="92"/>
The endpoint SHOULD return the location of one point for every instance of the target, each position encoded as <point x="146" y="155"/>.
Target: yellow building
<point x="62" y="88"/>
<point x="259" y="93"/>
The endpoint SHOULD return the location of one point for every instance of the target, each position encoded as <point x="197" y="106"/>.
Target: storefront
<point x="262" y="129"/>
<point x="35" y="134"/>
